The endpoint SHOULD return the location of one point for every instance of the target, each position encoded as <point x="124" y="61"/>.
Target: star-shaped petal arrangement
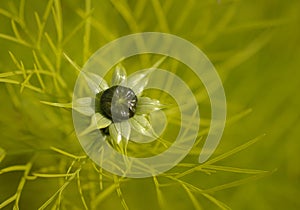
<point x="120" y="107"/>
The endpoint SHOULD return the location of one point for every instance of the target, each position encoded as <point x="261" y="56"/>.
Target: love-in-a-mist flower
<point x="120" y="107"/>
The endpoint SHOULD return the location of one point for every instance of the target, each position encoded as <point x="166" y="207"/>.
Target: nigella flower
<point x="120" y="107"/>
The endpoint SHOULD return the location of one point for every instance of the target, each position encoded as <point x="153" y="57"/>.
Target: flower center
<point x="118" y="103"/>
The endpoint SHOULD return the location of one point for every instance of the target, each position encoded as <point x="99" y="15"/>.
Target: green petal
<point x="147" y="105"/>
<point x="95" y="82"/>
<point x="119" y="130"/>
<point x="141" y="125"/>
<point x="98" y="121"/>
<point x="101" y="121"/>
<point x="84" y="106"/>
<point x="138" y="81"/>
<point x="119" y="76"/>
<point x="158" y="121"/>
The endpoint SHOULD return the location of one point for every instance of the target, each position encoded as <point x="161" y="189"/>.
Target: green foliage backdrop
<point x="255" y="48"/>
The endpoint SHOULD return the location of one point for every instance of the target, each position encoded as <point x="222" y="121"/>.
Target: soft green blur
<point x="254" y="46"/>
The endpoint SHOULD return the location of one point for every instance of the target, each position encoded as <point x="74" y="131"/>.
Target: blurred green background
<point x="254" y="46"/>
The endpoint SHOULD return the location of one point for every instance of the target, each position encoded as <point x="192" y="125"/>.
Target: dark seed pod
<point x="118" y="103"/>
